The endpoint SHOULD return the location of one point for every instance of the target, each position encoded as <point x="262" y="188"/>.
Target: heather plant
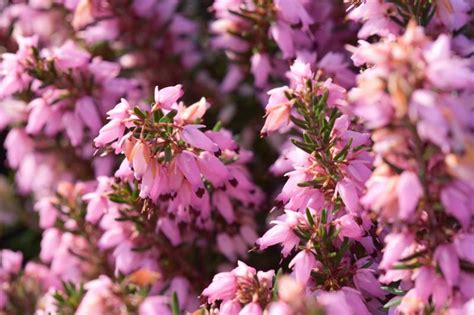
<point x="140" y="177"/>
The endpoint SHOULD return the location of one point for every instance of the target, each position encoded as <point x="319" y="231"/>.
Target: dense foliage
<point x="237" y="157"/>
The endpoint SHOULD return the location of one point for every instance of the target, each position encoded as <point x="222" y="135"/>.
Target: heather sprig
<point x="421" y="142"/>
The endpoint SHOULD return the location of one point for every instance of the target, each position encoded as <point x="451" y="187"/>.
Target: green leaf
<point x="324" y="216"/>
<point x="302" y="234"/>
<point x="300" y="123"/>
<point x="165" y="119"/>
<point x="341" y="156"/>
<point x="117" y="198"/>
<point x="330" y="125"/>
<point x="275" y="284"/>
<point x="303" y="146"/>
<point x="307" y="138"/>
<point x="395" y="168"/>
<point x="309" y="85"/>
<point x="168" y="118"/>
<point x="288" y="95"/>
<point x="392" y="290"/>
<point x="313" y="183"/>
<point x="168" y="154"/>
<point x="407" y="266"/>
<point x="157" y="115"/>
<point x="393" y="302"/>
<point x="175" y="304"/>
<point x="467" y="266"/>
<point x="217" y="126"/>
<point x="139" y="112"/>
<point x="320" y="103"/>
<point x="344" y="247"/>
<point x="413" y="256"/>
<point x="243" y="15"/>
<point x="309" y="217"/>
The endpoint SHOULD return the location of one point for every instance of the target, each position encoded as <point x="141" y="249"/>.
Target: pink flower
<point x="299" y="73"/>
<point x="223" y="287"/>
<point x="232" y="79"/>
<point x="139" y="157"/>
<point x="84" y="14"/>
<point x="114" y="129"/>
<point x="282" y="34"/>
<point x="365" y="281"/>
<point x="193" y="136"/>
<point x="166" y="97"/>
<point x="448" y="262"/>
<point x="279" y="308"/>
<point x="260" y="67"/>
<point x="70" y="56"/>
<point x="334" y="303"/>
<point x="251" y="309"/>
<point x="349" y="227"/>
<point x="193" y="112"/>
<point x="410" y="303"/>
<point x="294" y="12"/>
<point x="10" y="261"/>
<point x="277" y="110"/>
<point x="18" y="145"/>
<point x="355" y="300"/>
<point x="464" y="244"/>
<point x="3" y="299"/>
<point x="230" y="308"/>
<point x="396" y="244"/>
<point x="226" y="246"/>
<point x="281" y="232"/>
<point x="409" y="191"/>
<point x="181" y="286"/>
<point x="47" y="213"/>
<point x="87" y="111"/>
<point x="39" y="115"/>
<point x="186" y="162"/>
<point x="97" y="296"/>
<point x="302" y="265"/>
<point x="213" y="169"/>
<point x="97" y="201"/>
<point x="49" y="244"/>
<point x="445" y="71"/>
<point x="424" y="283"/>
<point x="457" y="202"/>
<point x="170" y="229"/>
<point x="155" y="305"/>
<point x="74" y="128"/>
<point x="348" y="192"/>
<point x="224" y="206"/>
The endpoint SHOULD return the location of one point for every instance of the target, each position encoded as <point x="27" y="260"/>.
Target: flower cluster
<point x="265" y="35"/>
<point x="327" y="169"/>
<point x="389" y="18"/>
<point x="56" y="99"/>
<point x="112" y="30"/>
<point x="99" y="235"/>
<point x="415" y="99"/>
<point x="192" y="175"/>
<point x="353" y="194"/>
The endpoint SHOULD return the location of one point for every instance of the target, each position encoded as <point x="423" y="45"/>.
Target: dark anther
<point x="200" y="192"/>
<point x="234" y="182"/>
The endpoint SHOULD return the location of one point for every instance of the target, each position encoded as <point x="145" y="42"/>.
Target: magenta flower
<point x="281" y="233"/>
<point x="302" y="265"/>
<point x="167" y="97"/>
<point x="223" y="287"/>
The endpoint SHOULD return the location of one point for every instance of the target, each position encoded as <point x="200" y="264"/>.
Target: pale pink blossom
<point x="222" y="287"/>
<point x="167" y="97"/>
<point x="302" y="265"/>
